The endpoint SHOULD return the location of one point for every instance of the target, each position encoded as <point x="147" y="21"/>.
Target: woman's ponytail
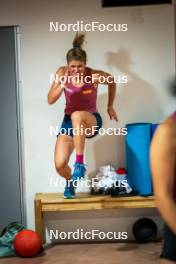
<point x="77" y="53"/>
<point x="78" y="40"/>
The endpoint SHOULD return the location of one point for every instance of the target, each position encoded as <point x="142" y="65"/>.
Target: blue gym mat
<point x="138" y="141"/>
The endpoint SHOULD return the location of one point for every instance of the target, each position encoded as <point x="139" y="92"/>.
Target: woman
<point x="80" y="111"/>
<point x="163" y="165"/>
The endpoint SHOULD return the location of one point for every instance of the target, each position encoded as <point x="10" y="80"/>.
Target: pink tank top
<point x="81" y="98"/>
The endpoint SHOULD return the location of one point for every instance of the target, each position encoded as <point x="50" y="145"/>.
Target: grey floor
<point x="105" y="253"/>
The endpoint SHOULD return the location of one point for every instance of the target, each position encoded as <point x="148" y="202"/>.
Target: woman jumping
<point x="80" y="110"/>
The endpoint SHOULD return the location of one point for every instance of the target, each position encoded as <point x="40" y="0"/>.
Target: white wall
<point x="145" y="53"/>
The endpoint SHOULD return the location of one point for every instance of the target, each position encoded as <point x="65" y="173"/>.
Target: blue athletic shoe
<point x="69" y="192"/>
<point x="79" y="171"/>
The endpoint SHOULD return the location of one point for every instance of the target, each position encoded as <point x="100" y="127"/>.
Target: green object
<point x="6" y="251"/>
<point x="7" y="237"/>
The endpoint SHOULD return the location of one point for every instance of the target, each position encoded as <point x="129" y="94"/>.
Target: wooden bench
<point x="54" y="202"/>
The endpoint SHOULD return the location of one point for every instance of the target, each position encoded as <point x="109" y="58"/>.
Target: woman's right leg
<point x="63" y="149"/>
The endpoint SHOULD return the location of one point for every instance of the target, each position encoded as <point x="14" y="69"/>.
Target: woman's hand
<point x="65" y="75"/>
<point x="112" y="113"/>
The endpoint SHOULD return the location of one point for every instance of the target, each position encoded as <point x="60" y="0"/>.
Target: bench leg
<point x="39" y="223"/>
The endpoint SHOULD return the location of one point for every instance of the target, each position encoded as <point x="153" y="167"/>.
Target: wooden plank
<point x="56" y="202"/>
<point x="39" y="224"/>
<point x="71" y="207"/>
<point x="47" y="198"/>
<point x="129" y="204"/>
<point x="81" y="198"/>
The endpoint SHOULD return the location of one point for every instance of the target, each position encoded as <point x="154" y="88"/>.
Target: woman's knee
<point x="60" y="165"/>
<point x="77" y="117"/>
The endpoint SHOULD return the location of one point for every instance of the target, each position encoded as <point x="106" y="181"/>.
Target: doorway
<point x="11" y="129"/>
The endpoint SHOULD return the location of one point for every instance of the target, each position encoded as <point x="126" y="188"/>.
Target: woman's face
<point x="76" y="67"/>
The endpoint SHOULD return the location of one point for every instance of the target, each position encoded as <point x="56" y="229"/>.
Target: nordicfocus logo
<point x="81" y="26"/>
<point x="95" y="77"/>
<point x="80" y="130"/>
<point x="80" y="234"/>
<point x="87" y="183"/>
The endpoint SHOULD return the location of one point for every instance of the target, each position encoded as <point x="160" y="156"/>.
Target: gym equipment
<point x="27" y="243"/>
<point x="138" y="141"/>
<point x="145" y="230"/>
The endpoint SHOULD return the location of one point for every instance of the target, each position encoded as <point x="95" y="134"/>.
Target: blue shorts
<point x="67" y="128"/>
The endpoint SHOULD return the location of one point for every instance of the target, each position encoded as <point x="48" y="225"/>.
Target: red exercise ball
<point x="27" y="243"/>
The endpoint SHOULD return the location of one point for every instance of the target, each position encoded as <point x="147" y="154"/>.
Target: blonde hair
<point x="77" y="53"/>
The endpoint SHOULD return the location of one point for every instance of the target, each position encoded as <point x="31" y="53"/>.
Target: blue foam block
<point x="137" y="152"/>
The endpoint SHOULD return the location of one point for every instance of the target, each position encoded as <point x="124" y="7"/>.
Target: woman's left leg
<point x="84" y="122"/>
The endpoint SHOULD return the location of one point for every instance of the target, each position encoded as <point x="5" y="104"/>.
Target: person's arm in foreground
<point x="162" y="156"/>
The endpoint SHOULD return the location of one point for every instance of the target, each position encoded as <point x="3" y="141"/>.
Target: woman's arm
<point x="56" y="89"/>
<point x="109" y="80"/>
<point x="163" y="166"/>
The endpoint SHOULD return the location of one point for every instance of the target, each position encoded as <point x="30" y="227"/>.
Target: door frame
<point x="20" y="127"/>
